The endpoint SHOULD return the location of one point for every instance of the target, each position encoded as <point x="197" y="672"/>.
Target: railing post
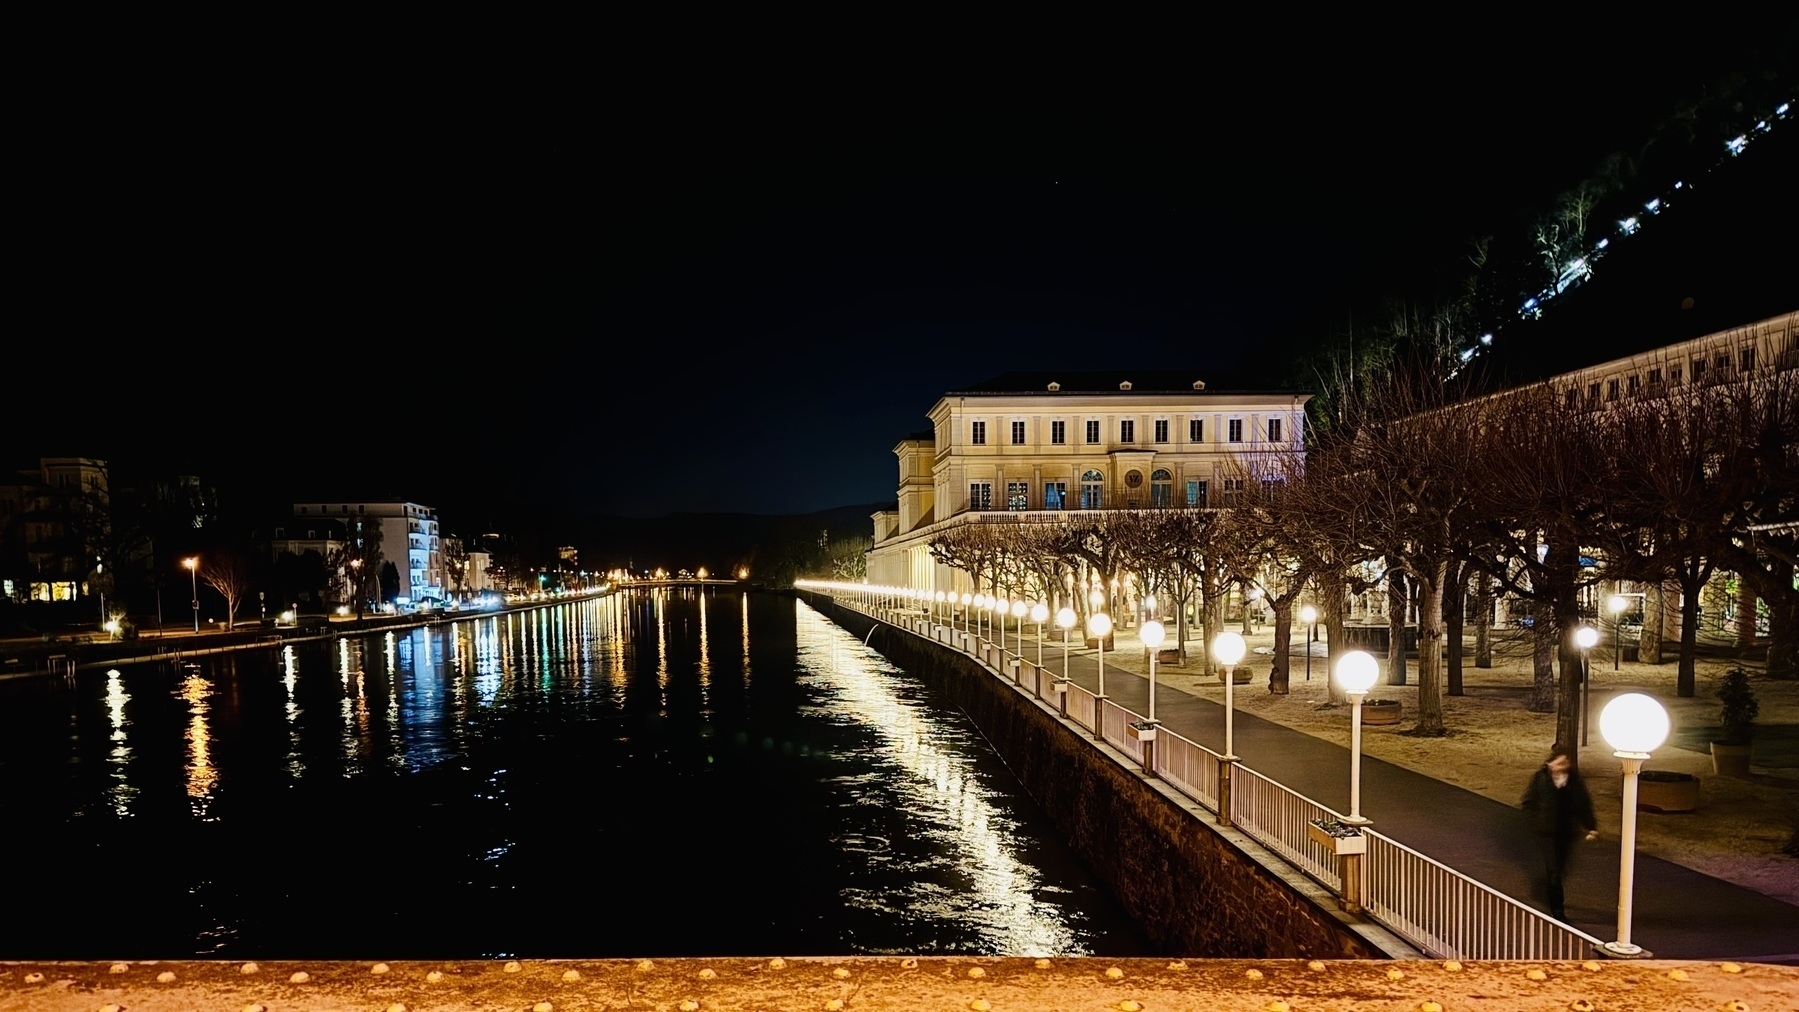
<point x="1099" y="718"/>
<point x="1061" y="686"/>
<point x="1349" y="872"/>
<point x="1224" y="788"/>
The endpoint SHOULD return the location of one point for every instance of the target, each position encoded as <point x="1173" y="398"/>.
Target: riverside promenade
<point x="1678" y="913"/>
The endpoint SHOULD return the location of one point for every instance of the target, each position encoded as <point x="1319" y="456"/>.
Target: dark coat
<point x="1559" y="812"/>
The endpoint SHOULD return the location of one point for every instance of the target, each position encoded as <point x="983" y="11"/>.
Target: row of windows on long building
<point x="1127" y="431"/>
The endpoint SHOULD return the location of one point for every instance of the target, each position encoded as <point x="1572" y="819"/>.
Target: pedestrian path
<point x="1678" y="913"/>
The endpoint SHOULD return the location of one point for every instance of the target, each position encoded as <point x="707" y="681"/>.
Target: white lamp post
<point x="1065" y="620"/>
<point x="967" y="600"/>
<point x="1356" y="671"/>
<point x="1229" y="648"/>
<point x="1635" y="725"/>
<point x="1039" y="612"/>
<point x="1000" y="606"/>
<point x="1151" y="636"/>
<point x="1584" y="638"/>
<point x="1099" y="626"/>
<point x="1617" y="604"/>
<point x="980" y="616"/>
<point x="1309" y="615"/>
<point x="193" y="578"/>
<point x="1018" y="610"/>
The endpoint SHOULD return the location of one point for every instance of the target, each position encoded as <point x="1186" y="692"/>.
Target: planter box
<point x="1339" y="838"/>
<point x="1111" y="643"/>
<point x="1381" y="711"/>
<point x="1240" y="675"/>
<point x="1168" y="657"/>
<point x="1665" y="791"/>
<point x="1141" y="730"/>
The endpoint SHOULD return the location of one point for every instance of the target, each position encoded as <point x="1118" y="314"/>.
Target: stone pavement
<point x="1678" y="913"/>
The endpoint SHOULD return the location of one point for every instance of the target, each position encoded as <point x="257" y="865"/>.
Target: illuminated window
<point x="1093" y="431"/>
<point x="1127" y="431"/>
<point x="1161" y="430"/>
<point x="1274" y="430"/>
<point x="1018" y="495"/>
<point x="1236" y="430"/>
<point x="1196" y="493"/>
<point x="1058" y="432"/>
<point x="977" y="434"/>
<point x="1017" y="433"/>
<point x="1092" y="489"/>
<point x="980" y="495"/>
<point x="1161" y="487"/>
<point x="1196" y="430"/>
<point x="1055" y="495"/>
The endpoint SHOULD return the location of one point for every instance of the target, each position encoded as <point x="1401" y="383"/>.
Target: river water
<point x="673" y="773"/>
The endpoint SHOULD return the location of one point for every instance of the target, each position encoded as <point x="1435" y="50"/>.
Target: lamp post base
<point x="1355" y="820"/>
<point x="1624" y="950"/>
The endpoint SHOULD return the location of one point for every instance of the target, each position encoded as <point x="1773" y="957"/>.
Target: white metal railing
<point x="1116" y="720"/>
<point x="1452" y="916"/>
<point x="1440" y="910"/>
<point x="1279" y="819"/>
<point x="1189" y="768"/>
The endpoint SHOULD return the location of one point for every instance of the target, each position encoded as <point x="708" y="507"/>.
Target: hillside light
<point x="1099" y="626"/>
<point x="1635" y="725"/>
<point x="1617" y="604"/>
<point x="1584" y="638"/>
<point x="1309" y="615"/>
<point x="1356" y="671"/>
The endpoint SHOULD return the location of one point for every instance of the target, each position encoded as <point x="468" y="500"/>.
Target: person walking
<point x="1559" y="807"/>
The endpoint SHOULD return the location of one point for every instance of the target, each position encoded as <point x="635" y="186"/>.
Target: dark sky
<point x="669" y="274"/>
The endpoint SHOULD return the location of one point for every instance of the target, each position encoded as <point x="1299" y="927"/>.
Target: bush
<point x="1739" y="707"/>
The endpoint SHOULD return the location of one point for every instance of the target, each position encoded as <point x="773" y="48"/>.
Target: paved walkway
<point x="1678" y="913"/>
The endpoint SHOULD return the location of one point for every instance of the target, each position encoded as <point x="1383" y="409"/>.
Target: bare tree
<point x="228" y="572"/>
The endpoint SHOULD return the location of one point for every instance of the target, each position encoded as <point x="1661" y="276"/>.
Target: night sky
<point x="667" y="276"/>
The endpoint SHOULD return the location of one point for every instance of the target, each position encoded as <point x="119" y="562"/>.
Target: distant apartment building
<point x="1026" y="444"/>
<point x="409" y="534"/>
<point x="47" y="537"/>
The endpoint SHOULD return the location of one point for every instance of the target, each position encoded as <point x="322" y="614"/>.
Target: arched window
<point x="1093" y="485"/>
<point x="1161" y="487"/>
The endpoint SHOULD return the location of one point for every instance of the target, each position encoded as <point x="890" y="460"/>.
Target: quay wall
<point x="1197" y="888"/>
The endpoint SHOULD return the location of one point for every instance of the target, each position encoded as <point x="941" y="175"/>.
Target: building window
<point x="980" y="495"/>
<point x="1127" y="431"/>
<point x="1196" y="494"/>
<point x="1196" y="430"/>
<point x="1236" y="430"/>
<point x="1018" y="495"/>
<point x="1274" y="430"/>
<point x="1093" y="431"/>
<point x="1721" y="363"/>
<point x="1592" y="393"/>
<point x="1698" y="369"/>
<point x="978" y="434"/>
<point x="1017" y="433"/>
<point x="1058" y="432"/>
<point x="1055" y="495"/>
<point x="1573" y="396"/>
<point x="1673" y="375"/>
<point x="1655" y="377"/>
<point x="1611" y="390"/>
<point x="1161" y="430"/>
<point x="1634" y="384"/>
<point x="1161" y="487"/>
<point x="1746" y="360"/>
<point x="1233" y="490"/>
<point x="1092" y="488"/>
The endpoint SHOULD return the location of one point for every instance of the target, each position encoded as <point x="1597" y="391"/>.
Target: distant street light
<point x="1309" y="615"/>
<point x="1617" y="604"/>
<point x="1635" y="725"/>
<point x="193" y="573"/>
<point x="1584" y="638"/>
<point x="1356" y="671"/>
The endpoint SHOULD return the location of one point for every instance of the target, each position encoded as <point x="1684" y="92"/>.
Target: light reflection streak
<point x="120" y="792"/>
<point x="705" y="662"/>
<point x="659" y="597"/>
<point x="202" y="778"/>
<point x="1000" y="894"/>
<point x="744" y="621"/>
<point x="296" y="766"/>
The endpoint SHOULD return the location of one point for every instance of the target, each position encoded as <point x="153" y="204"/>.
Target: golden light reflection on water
<point x="999" y="901"/>
<point x="119" y="793"/>
<point x="202" y="778"/>
<point x="744" y="622"/>
<point x="705" y="662"/>
<point x="659" y="596"/>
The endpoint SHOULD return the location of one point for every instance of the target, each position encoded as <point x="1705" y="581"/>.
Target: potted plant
<point x="1730" y="753"/>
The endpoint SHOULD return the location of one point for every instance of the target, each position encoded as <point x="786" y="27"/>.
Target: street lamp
<point x="1228" y="648"/>
<point x="1000" y="606"/>
<point x="1039" y="612"/>
<point x="1099" y="626"/>
<point x="967" y="600"/>
<point x="1634" y="725"/>
<point x="193" y="573"/>
<point x="1309" y="615"/>
<point x="1064" y="619"/>
<point x="1584" y="638"/>
<point x="1617" y="604"/>
<point x="1356" y="671"/>
<point x="1018" y="610"/>
<point x="1151" y="635"/>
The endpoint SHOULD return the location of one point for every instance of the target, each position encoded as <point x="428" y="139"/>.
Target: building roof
<point x="1142" y="381"/>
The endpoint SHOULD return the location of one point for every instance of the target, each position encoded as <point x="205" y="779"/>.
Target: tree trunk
<point x="1745" y="614"/>
<point x="1542" y="658"/>
<point x="1483" y="620"/>
<point x="1454" y="609"/>
<point x="1283" y="628"/>
<point x="1334" y="598"/>
<point x="1690" y="584"/>
<point x="1649" y="637"/>
<point x="1396" y="609"/>
<point x="1430" y="652"/>
<point x="1783" y="624"/>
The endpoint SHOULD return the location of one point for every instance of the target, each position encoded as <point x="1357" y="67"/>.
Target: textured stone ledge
<point x="894" y="983"/>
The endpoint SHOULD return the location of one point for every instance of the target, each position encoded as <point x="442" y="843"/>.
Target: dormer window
<point x="1054" y="386"/>
<point x="1126" y="385"/>
<point x="1199" y="384"/>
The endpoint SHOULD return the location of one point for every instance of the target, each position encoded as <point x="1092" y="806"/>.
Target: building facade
<point x="410" y="539"/>
<point x="1035" y="443"/>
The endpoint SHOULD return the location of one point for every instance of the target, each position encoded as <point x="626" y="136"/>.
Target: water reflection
<point x="120" y="791"/>
<point x="201" y="777"/>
